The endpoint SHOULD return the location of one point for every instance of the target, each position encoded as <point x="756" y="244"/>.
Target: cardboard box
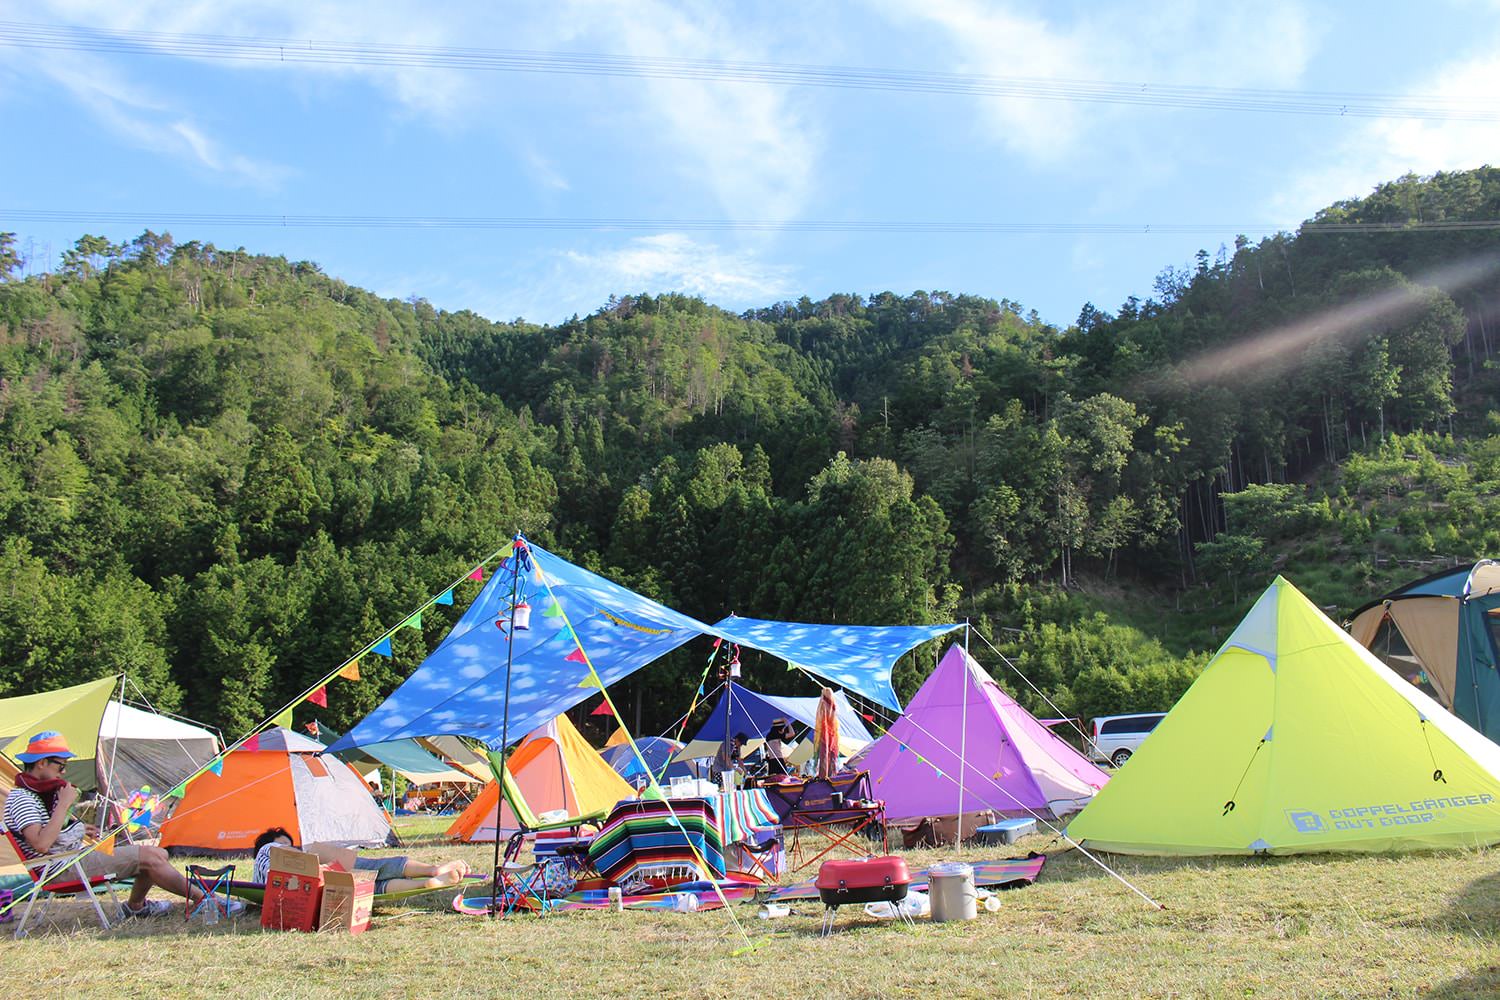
<point x="294" y="891"/>
<point x="347" y="900"/>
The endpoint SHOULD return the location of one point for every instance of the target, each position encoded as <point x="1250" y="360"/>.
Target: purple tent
<point x="1012" y="764"/>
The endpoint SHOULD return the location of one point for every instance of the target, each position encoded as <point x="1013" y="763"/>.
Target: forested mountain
<point x="225" y="472"/>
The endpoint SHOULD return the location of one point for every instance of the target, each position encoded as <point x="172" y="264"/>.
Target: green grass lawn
<point x="1400" y="925"/>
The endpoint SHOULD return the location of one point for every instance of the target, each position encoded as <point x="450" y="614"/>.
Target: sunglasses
<point x="58" y="762"/>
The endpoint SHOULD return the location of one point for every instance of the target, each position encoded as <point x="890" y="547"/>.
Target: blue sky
<point x="99" y="132"/>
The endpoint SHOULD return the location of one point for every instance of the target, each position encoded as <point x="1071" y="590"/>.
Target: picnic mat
<point x="598" y="899"/>
<point x="1011" y="873"/>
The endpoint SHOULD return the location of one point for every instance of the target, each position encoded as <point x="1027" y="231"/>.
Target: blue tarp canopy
<point x="857" y="658"/>
<point x="460" y="688"/>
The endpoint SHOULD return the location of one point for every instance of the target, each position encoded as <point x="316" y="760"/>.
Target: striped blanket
<point x="644" y="839"/>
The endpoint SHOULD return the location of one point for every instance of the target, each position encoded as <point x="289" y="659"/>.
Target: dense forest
<point x="225" y="472"/>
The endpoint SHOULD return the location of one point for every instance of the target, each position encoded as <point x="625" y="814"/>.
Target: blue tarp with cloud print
<point x="460" y="688"/>
<point x="857" y="658"/>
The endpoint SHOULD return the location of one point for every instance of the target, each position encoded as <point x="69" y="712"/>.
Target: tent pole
<point x="963" y="746"/>
<point x="510" y="645"/>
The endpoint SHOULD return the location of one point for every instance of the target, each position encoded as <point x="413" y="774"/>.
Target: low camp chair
<point x="214" y="883"/>
<point x="55" y="875"/>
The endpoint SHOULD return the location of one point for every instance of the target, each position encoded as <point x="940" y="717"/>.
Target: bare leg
<point x="435" y="882"/>
<point x="156" y="870"/>
<point x="421" y="870"/>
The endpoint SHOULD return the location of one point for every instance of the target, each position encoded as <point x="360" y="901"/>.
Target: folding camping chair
<point x="48" y="877"/>
<point x="532" y="886"/>
<point x="214" y="884"/>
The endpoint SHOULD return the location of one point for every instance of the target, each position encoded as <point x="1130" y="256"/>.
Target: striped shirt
<point x="262" y="870"/>
<point x="24" y="808"/>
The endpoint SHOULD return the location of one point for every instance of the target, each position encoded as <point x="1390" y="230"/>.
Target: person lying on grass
<point x="398" y="874"/>
<point x="36" y="811"/>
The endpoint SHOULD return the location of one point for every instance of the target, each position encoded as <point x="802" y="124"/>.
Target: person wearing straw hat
<point x="36" y="811"/>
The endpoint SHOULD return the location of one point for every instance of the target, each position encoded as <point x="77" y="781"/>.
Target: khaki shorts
<point x="124" y="863"/>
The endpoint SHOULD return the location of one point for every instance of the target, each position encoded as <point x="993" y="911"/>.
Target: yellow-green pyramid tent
<point x="1297" y="739"/>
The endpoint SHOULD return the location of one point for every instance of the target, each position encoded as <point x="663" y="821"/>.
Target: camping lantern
<point x="521" y="617"/>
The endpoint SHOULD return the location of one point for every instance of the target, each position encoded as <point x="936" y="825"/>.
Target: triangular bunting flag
<point x="541" y="577"/>
<point x="350" y="671"/>
<point x="509" y="549"/>
<point x="178" y="792"/>
<point x="383" y="647"/>
<point x="252" y="744"/>
<point x="602" y="709"/>
<point x="576" y="656"/>
<point x="415" y="621"/>
<point x="217" y="767"/>
<point x="107" y="845"/>
<point x="478" y="574"/>
<point x="590" y="682"/>
<point x="319" y="697"/>
<point x="554" y="609"/>
<point x="446" y="597"/>
<point x="284" y="720"/>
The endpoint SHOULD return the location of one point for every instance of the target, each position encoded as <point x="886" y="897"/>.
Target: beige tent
<point x="1440" y="634"/>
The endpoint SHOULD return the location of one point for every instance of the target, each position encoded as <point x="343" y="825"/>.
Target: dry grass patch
<point x="1310" y="927"/>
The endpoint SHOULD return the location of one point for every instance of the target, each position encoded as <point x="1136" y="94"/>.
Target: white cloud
<point x="560" y="284"/>
<point x="674" y="262"/>
<point x="142" y="117"/>
<point x="1186" y="42"/>
<point x="543" y="170"/>
<point x="1385" y="149"/>
<point x="750" y="145"/>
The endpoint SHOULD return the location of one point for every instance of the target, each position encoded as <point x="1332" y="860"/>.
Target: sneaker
<point x="234" y="908"/>
<point x="151" y="908"/>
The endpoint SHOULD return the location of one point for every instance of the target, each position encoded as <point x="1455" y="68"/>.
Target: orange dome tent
<point x="278" y="778"/>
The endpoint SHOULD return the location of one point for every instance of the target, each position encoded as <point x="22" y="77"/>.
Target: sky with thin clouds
<point x="118" y="132"/>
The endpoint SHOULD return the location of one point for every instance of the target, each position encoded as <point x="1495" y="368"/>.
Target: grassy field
<point x="1412" y="925"/>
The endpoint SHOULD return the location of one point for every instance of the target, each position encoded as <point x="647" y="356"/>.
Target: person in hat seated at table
<point x="36" y="811"/>
<point x="396" y="874"/>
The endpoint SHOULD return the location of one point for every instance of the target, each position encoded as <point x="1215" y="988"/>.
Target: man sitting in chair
<point x="398" y="874"/>
<point x="36" y="811"/>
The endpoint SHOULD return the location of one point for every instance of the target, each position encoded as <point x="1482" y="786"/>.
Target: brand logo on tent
<point x="1305" y="822"/>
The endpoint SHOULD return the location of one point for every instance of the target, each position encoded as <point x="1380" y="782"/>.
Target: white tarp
<point x="138" y="748"/>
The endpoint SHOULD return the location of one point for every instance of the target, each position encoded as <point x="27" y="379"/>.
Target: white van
<point x="1116" y="737"/>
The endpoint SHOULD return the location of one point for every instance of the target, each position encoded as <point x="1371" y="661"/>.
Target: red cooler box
<point x="864" y="880"/>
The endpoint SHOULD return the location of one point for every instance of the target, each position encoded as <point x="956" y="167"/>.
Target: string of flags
<point x="317" y="694"/>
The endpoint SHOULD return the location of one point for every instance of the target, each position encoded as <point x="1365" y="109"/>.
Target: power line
<point x="606" y="224"/>
<point x="369" y="54"/>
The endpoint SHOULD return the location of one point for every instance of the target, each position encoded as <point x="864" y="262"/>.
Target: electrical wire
<point x="625" y="224"/>
<point x="225" y="48"/>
